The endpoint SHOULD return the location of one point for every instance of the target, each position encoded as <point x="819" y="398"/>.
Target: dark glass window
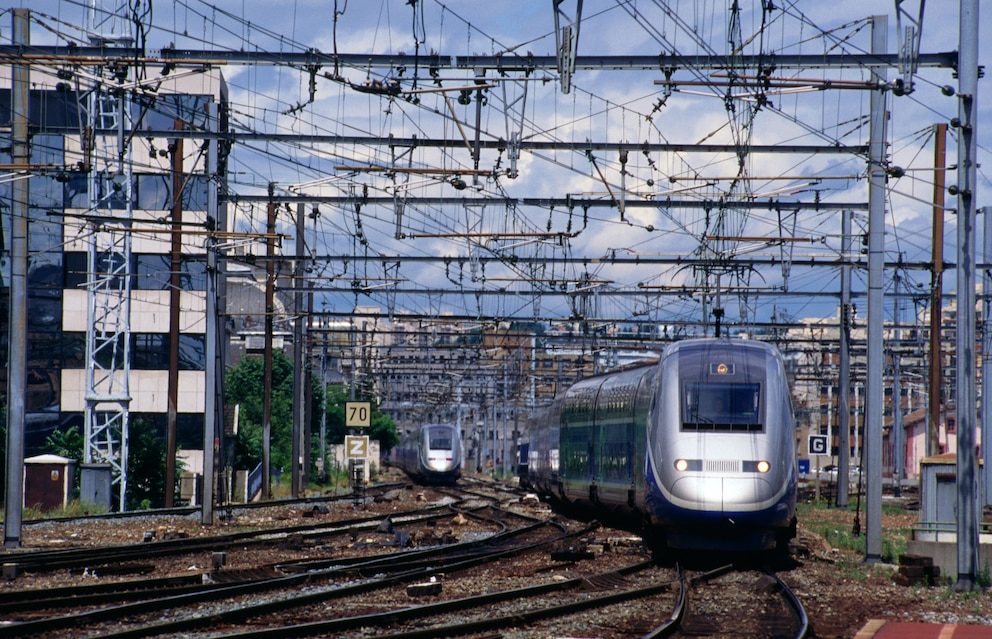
<point x="155" y="423"/>
<point x="189" y="433"/>
<point x="44" y="313"/>
<point x="113" y="192"/>
<point x="152" y="271"/>
<point x="110" y="351"/>
<point x="47" y="149"/>
<point x="194" y="274"/>
<point x="73" y="350"/>
<point x="111" y="265"/>
<point x="161" y="112"/>
<point x="44" y="234"/>
<point x="57" y="109"/>
<point x="45" y="275"/>
<point x="45" y="192"/>
<point x="151" y="352"/>
<point x="77" y="194"/>
<point x="74" y="269"/>
<point x="192" y="353"/>
<point x="195" y="193"/>
<point x="42" y="388"/>
<point x="155" y="192"/>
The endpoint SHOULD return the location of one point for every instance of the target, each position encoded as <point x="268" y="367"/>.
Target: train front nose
<point x="441" y="462"/>
<point x="723" y="494"/>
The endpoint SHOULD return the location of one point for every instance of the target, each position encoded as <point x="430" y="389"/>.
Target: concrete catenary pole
<point x="17" y="344"/>
<point x="986" y="403"/>
<point x="874" y="384"/>
<point x="844" y="377"/>
<point x="967" y="395"/>
<point x="213" y="400"/>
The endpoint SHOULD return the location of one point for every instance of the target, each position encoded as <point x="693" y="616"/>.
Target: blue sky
<point x="602" y="105"/>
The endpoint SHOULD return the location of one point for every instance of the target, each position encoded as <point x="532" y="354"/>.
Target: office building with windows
<point x="99" y="165"/>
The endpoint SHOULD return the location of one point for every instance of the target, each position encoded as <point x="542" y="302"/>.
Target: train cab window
<point x="721" y="407"/>
<point x="439" y="442"/>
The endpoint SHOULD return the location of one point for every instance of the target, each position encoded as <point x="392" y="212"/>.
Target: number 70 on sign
<point x="358" y="414"/>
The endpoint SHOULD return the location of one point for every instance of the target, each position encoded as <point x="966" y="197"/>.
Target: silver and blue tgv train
<point x="431" y="453"/>
<point x="701" y="445"/>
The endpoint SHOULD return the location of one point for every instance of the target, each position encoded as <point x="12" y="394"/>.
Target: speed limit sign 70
<point x="358" y="414"/>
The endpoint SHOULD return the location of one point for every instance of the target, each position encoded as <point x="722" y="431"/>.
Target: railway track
<point x="319" y="578"/>
<point x="103" y="558"/>
<point x="743" y="603"/>
<point x="514" y="572"/>
<point x="536" y="607"/>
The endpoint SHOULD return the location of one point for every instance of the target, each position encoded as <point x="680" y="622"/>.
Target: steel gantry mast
<point x="566" y="41"/>
<point x="108" y="356"/>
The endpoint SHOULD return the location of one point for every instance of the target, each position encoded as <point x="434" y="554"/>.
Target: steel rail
<point x="517" y="619"/>
<point x="91" y="556"/>
<point x="293" y="581"/>
<point x="671" y="624"/>
<point x="791" y="601"/>
<point x="794" y="604"/>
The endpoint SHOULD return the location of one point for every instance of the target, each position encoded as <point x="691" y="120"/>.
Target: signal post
<point x="357" y="417"/>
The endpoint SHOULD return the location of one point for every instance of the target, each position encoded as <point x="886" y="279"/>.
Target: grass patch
<point x="74" y="508"/>
<point x="836" y="527"/>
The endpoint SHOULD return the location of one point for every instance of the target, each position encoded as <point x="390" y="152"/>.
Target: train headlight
<point x="682" y="465"/>
<point x="763" y="466"/>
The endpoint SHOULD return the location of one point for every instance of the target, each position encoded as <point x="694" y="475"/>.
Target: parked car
<point x="829" y="473"/>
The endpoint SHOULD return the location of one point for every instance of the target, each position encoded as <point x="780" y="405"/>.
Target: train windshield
<point x="721" y="407"/>
<point x="439" y="441"/>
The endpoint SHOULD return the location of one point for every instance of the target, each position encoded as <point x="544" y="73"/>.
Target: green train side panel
<point x="576" y="470"/>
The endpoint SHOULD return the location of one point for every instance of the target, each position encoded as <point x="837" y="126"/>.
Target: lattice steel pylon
<point x="108" y="357"/>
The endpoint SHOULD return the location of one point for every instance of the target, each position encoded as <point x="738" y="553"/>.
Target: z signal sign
<point x="356" y="446"/>
<point x="818" y="445"/>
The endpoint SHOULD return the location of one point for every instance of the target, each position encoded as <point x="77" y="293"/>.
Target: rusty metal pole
<point x="175" y="286"/>
<point x="936" y="288"/>
<point x="270" y="229"/>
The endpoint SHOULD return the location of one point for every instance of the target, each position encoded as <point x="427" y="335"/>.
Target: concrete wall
<point x="945" y="555"/>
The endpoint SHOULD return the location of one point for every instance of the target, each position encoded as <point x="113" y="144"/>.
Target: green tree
<point x="382" y="427"/>
<point x="146" y="467"/>
<point x="244" y="384"/>
<point x="66" y="443"/>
